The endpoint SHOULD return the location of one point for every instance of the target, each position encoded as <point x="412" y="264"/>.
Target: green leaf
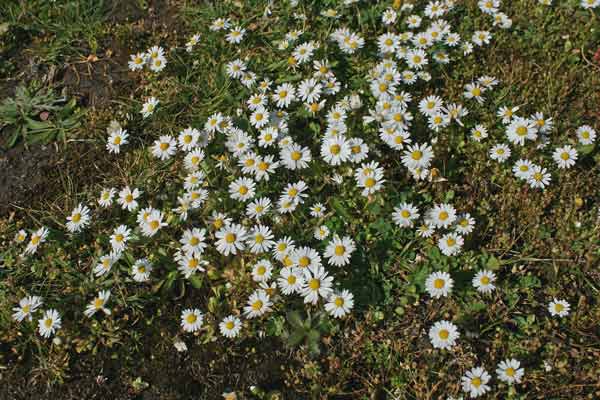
<point x="196" y="281"/>
<point x="493" y="263"/>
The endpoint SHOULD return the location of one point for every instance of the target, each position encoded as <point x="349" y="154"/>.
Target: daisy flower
<point x="339" y="304"/>
<point x="521" y="129"/>
<point x="479" y="132"/>
<point x="474" y="91"/>
<point x="127" y="198"/>
<point x="290" y="280"/>
<point x="242" y="189"/>
<point x="510" y="371"/>
<point x="141" y="270"/>
<point x="262" y="271"/>
<point x="586" y="134"/>
<point x="522" y="169"/>
<point x="106" y="197"/>
<point x="98" y="304"/>
<point x="284" y="95"/>
<point x="116" y="139"/>
<point x="21" y="236"/>
<point x="539" y="178"/>
<point x="417" y="156"/>
<point x="500" y="152"/>
<point x="259" y="240"/>
<point x="119" y="238"/>
<point x="475" y="382"/>
<point x="235" y="35"/>
<point x="79" y="219"/>
<point x="37" y="238"/>
<point x="258" y="208"/>
<point x="188" y="138"/>
<point x="149" y="107"/>
<point x="230" y="239"/>
<point x="235" y="69"/>
<point x="190" y="263"/>
<point x="317" y="210"/>
<point x="321" y="232"/>
<point x="481" y="38"/>
<point x="283" y="247"/>
<point x="137" y="61"/>
<point x="153" y="223"/>
<point x="49" y="323"/>
<point x="450" y="244"/>
<point x="565" y="156"/>
<point x="439" y="284"/>
<point x="405" y="214"/>
<point x="219" y="24"/>
<point x="483" y="281"/>
<point x="259" y="303"/>
<point x="441" y="215"/>
<point x="230" y="326"/>
<point x="157" y="64"/>
<point x="193" y="240"/>
<point x="191" y="319"/>
<point x="559" y="308"/>
<point x="305" y="257"/>
<point x="339" y="250"/>
<point x="317" y="284"/>
<point x="464" y="224"/>
<point x="193" y="159"/>
<point x="164" y="148"/>
<point x="27" y="306"/>
<point x="443" y="335"/>
<point x="105" y="263"/>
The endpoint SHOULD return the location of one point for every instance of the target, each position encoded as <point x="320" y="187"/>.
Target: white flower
<point x="475" y="382"/>
<point x="119" y="238"/>
<point x="191" y="319"/>
<point x="559" y="308"/>
<point x="500" y="152"/>
<point x="290" y="280"/>
<point x="79" y="219"/>
<point x="190" y="263"/>
<point x="450" y="244"/>
<point x="106" y="197"/>
<point x="521" y="129"/>
<point x="153" y="223"/>
<point x="105" y="263"/>
<point x="242" y="189"/>
<point x="335" y="150"/>
<point x="523" y="169"/>
<point x="317" y="284"/>
<point x="27" y="306"/>
<point x="141" y="270"/>
<point x="284" y="95"/>
<point x="49" y="323"/>
<point x="417" y="156"/>
<point x="539" y="177"/>
<point x="483" y="281"/>
<point x="262" y="270"/>
<point x="441" y="215"/>
<point x="116" y="139"/>
<point x="340" y="303"/>
<point x="149" y="107"/>
<point x="443" y="335"/>
<point x="439" y="284"/>
<point x="137" y="61"/>
<point x="565" y="156"/>
<point x="260" y="239"/>
<point x="98" y="304"/>
<point x="464" y="224"/>
<point x="405" y="214"/>
<point x="259" y="303"/>
<point x="230" y="239"/>
<point x="586" y="134"/>
<point x="235" y="35"/>
<point x="510" y="371"/>
<point x="165" y="147"/>
<point x="230" y="326"/>
<point x="37" y="238"/>
<point x="127" y="198"/>
<point x="339" y="251"/>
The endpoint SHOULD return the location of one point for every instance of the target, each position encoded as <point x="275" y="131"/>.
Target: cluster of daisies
<point x="154" y="59"/>
<point x="264" y="164"/>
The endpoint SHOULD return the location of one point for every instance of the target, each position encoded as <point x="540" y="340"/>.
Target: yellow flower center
<point x="564" y="156"/>
<point x="389" y="42"/>
<point x="444" y="334"/>
<point x="450" y="242"/>
<point x="192" y="263"/>
<point x="230" y="237"/>
<point x="229" y="325"/>
<point x="261" y="270"/>
<point x="98" y="302"/>
<point x="416" y="155"/>
<point x="339" y="302"/>
<point x="257" y="305"/>
<point x="476" y="382"/>
<point x="48" y="322"/>
<point x="76" y="217"/>
<point x="263" y="166"/>
<point x="259" y="238"/>
<point x="314" y="284"/>
<point x="291" y="279"/>
<point x="522" y="130"/>
<point x="117" y="140"/>
<point x="485" y="280"/>
<point x="191" y="318"/>
<point x="476" y="92"/>
<point x="443" y="215"/>
<point x="164" y="146"/>
<point x="510" y="372"/>
<point x="405" y="213"/>
<point x="154" y="224"/>
<point x="559" y="307"/>
<point x="119" y="237"/>
<point x="296" y="155"/>
<point x="304" y="261"/>
<point x="370" y="182"/>
<point x="340" y="250"/>
<point x="243" y="190"/>
<point x="438" y="283"/>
